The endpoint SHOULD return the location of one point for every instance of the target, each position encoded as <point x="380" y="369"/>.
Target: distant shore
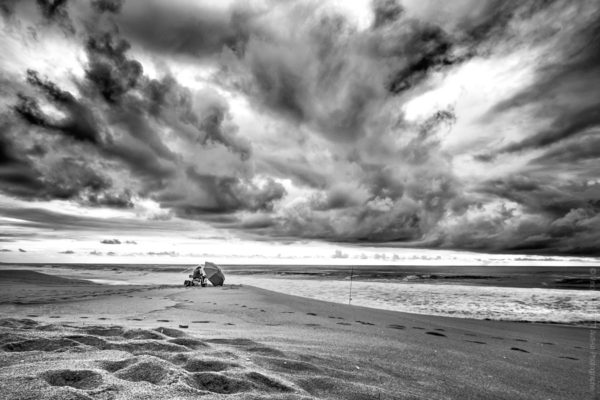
<point x="572" y="278"/>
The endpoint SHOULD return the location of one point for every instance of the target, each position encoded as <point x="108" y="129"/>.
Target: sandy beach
<point x="72" y="339"/>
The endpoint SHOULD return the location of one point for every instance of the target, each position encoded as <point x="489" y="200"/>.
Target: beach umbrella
<point x="214" y="274"/>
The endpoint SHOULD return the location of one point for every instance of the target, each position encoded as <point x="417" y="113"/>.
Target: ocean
<point x="538" y="294"/>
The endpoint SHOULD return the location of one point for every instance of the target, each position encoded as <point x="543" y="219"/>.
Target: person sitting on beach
<point x="199" y="274"/>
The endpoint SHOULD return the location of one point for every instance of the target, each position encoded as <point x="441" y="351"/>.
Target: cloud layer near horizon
<point x="465" y="125"/>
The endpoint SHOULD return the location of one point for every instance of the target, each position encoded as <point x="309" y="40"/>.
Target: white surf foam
<point x="500" y="303"/>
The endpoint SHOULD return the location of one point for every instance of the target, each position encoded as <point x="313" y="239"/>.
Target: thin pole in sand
<point x="350" y="294"/>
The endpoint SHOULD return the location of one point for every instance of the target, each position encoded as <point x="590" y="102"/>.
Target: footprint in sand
<point x="152" y="371"/>
<point x="191" y="343"/>
<point x="312" y="325"/>
<point x="54" y="316"/>
<point x="569" y="358"/>
<point x="311" y="313"/>
<point x="475" y="341"/>
<point x="435" y="334"/>
<point x="217" y="383"/>
<point x="84" y="317"/>
<point x="262" y="311"/>
<point x="183" y="326"/>
<point x="548" y="343"/>
<point x="520" y="340"/>
<point x="32" y="315"/>
<point x="396" y="326"/>
<point x="229" y="323"/>
<point x="519" y="349"/>
<point x="50" y="345"/>
<point x="103" y="318"/>
<point x="200" y="322"/>
<point x="200" y="365"/>
<point x="162" y="320"/>
<point x="364" y="323"/>
<point x="343" y="323"/>
<point x="83" y="379"/>
<point x="170" y="332"/>
<point x="418" y="327"/>
<point x="114" y="366"/>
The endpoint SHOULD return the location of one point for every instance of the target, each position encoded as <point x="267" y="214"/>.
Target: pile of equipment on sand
<point x="209" y="272"/>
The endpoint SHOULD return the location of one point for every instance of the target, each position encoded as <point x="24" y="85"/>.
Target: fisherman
<point x="199" y="274"/>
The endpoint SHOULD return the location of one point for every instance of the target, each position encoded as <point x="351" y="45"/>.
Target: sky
<point x="304" y="132"/>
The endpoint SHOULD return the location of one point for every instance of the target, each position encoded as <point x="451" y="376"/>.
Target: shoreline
<point x="365" y="295"/>
<point x="544" y="277"/>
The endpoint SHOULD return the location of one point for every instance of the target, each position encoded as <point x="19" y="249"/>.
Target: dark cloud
<point x="112" y="6"/>
<point x="112" y="199"/>
<point x="5" y="250"/>
<point x="18" y="175"/>
<point x="67" y="252"/>
<point x="57" y="11"/>
<point x="142" y="149"/>
<point x="281" y="83"/>
<point x="109" y="69"/>
<point x="212" y="125"/>
<point x="334" y="78"/>
<point x="540" y="194"/>
<point x="337" y="158"/>
<point x="22" y="251"/>
<point x="163" y="253"/>
<point x="53" y="8"/>
<point x="224" y="194"/>
<point x="422" y="48"/>
<point x="79" y="124"/>
<point x="7" y="7"/>
<point x="27" y="172"/>
<point x="40" y="219"/>
<point x="191" y="30"/>
<point x="299" y="170"/>
<point x="386" y="12"/>
<point x="582" y="149"/>
<point x="575" y="123"/>
<point x="563" y="92"/>
<point x="335" y="199"/>
<point x="531" y="214"/>
<point x="111" y="241"/>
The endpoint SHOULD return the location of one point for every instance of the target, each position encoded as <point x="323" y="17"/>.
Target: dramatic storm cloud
<point x="464" y="125"/>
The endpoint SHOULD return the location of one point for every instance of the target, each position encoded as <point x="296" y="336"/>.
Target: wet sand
<point x="62" y="339"/>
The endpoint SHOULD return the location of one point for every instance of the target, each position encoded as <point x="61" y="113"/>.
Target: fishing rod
<point x="350" y="294"/>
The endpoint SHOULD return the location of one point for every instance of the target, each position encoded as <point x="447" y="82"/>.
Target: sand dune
<point x="149" y="342"/>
